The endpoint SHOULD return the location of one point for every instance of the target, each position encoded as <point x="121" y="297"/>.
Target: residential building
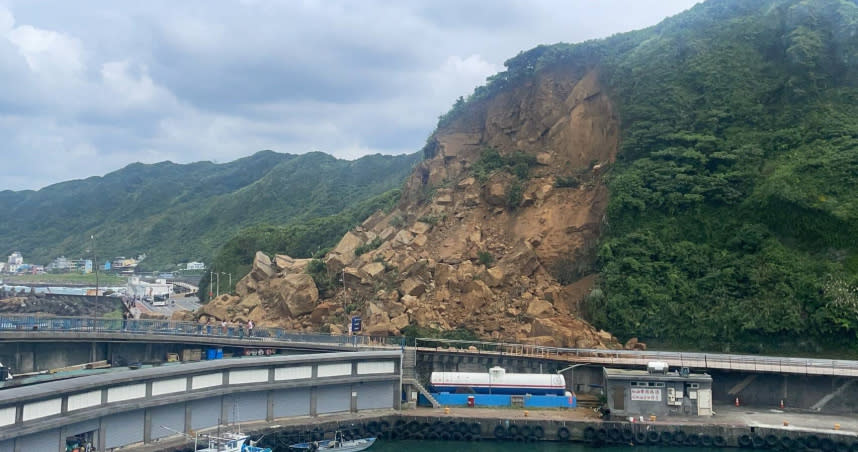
<point x="195" y="266"/>
<point x="15" y="261"/>
<point x="60" y="265"/>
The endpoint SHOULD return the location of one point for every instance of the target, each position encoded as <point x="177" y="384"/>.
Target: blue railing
<point x="39" y="323"/>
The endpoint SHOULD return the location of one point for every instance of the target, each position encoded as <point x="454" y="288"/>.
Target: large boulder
<point x="261" y="269"/>
<point x="521" y="260"/>
<point x="372" y="269"/>
<point x="321" y="312"/>
<point x="348" y="244"/>
<point x="399" y="322"/>
<point x="246" y="285"/>
<point x="293" y="295"/>
<point x="539" y="309"/>
<point x="413" y="287"/>
<point x="477" y="295"/>
<point x="495" y="194"/>
<point x="287" y="264"/>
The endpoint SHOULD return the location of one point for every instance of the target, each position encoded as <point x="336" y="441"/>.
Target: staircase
<point x="409" y="363"/>
<point x="422" y="390"/>
<point x="409" y="374"/>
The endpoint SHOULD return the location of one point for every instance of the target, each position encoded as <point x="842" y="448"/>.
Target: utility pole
<point x="217" y="276"/>
<point x="211" y="284"/>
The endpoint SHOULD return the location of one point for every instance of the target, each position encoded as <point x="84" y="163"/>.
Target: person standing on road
<point x="250" y="328"/>
<point x="223" y="327"/>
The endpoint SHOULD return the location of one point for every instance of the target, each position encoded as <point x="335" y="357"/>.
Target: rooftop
<point x="630" y="374"/>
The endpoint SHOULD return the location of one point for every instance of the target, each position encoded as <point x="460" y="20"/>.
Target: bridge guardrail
<point x="182" y="328"/>
<point x="692" y="359"/>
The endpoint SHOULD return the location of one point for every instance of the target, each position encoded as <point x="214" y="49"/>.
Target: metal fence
<point x="37" y="323"/>
<point x="694" y="360"/>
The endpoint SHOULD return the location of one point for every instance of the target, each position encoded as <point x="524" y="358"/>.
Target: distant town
<point x="121" y="265"/>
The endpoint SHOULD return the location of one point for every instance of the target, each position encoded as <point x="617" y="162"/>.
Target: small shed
<point x="660" y="393"/>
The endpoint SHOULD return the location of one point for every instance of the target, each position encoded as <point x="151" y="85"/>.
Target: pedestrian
<point x="240" y="330"/>
<point x="208" y="326"/>
<point x="223" y="327"/>
<point x="250" y="328"/>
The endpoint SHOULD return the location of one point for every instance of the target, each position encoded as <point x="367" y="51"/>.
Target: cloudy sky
<point x="87" y="87"/>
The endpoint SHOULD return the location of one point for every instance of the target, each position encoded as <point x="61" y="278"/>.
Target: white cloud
<point x="86" y="89"/>
<point x="48" y="52"/>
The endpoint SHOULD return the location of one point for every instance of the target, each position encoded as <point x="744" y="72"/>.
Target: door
<point x="704" y="402"/>
<point x="619" y="398"/>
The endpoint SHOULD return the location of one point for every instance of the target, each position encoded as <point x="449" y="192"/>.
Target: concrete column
<point x="147" y="425"/>
<point x="397" y="398"/>
<point x="269" y="414"/>
<point x="354" y="398"/>
<point x="93" y="352"/>
<point x="224" y="409"/>
<point x="313" y="397"/>
<point x="188" y="418"/>
<point x="62" y="439"/>
<point x="101" y="435"/>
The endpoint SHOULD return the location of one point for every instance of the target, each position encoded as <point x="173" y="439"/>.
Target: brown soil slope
<point x="460" y="251"/>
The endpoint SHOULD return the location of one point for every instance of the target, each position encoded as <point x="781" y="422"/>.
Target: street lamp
<point x="95" y="262"/>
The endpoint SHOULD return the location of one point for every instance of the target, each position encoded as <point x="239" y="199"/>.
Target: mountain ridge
<point x="181" y="212"/>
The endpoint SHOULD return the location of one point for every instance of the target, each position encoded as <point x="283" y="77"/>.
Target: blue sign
<point x="355" y="324"/>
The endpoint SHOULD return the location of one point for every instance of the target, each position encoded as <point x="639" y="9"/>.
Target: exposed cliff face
<point x="461" y="251"/>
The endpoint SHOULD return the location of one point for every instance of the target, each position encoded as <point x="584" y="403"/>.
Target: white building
<point x="15" y="261"/>
<point x="195" y="266"/>
<point x="143" y="290"/>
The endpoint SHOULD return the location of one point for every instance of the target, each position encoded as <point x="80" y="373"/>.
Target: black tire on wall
<point x="653" y="437"/>
<point x="475" y="429"/>
<point x="563" y="434"/>
<point x="499" y="432"/>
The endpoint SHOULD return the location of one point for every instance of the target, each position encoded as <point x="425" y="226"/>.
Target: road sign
<point x="356" y="324"/>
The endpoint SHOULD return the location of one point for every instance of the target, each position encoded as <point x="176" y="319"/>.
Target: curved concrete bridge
<point x="133" y="407"/>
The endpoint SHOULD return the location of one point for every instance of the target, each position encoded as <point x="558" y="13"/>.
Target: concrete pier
<point x="730" y="427"/>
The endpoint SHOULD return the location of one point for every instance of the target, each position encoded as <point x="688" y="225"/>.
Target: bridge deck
<point x="704" y="361"/>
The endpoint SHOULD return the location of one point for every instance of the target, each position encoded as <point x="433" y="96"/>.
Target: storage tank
<point x="498" y="381"/>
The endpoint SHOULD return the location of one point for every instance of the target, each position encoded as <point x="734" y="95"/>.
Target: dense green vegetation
<point x="733" y="220"/>
<point x="180" y="213"/>
<point x="299" y="239"/>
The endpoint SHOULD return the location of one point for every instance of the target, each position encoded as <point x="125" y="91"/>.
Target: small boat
<point x="337" y="444"/>
<point x="229" y="442"/>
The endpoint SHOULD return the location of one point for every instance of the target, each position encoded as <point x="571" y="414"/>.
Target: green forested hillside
<point x="178" y="213"/>
<point x="733" y="219"/>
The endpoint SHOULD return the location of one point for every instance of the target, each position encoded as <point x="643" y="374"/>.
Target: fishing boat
<point x="228" y="442"/>
<point x="338" y="444"/>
